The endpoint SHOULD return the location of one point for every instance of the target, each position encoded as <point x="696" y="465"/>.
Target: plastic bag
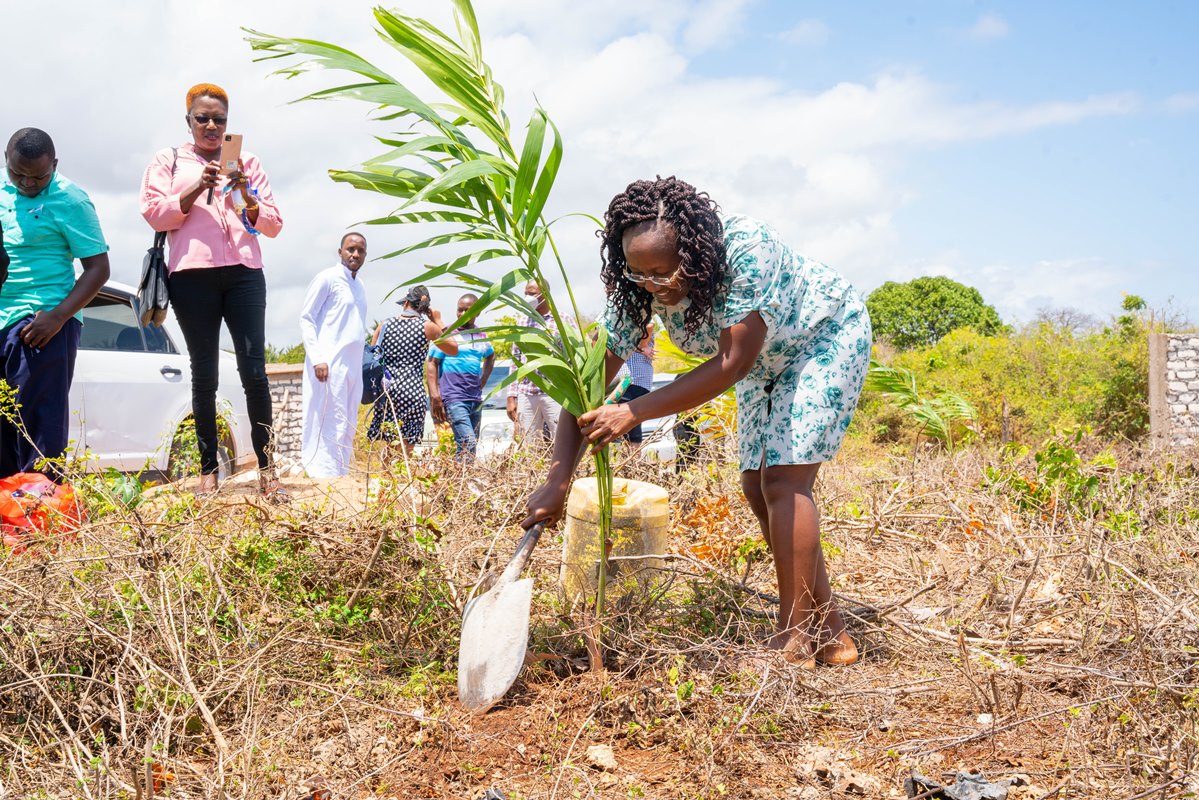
<point x="32" y="505"/>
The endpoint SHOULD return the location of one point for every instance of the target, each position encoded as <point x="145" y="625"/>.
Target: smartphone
<point x="230" y="153"/>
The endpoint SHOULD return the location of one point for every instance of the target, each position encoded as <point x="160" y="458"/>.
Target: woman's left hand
<point x="238" y="179"/>
<point x="607" y="424"/>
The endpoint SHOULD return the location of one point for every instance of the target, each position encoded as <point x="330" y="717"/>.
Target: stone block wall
<point x="288" y="403"/>
<point x="1174" y="388"/>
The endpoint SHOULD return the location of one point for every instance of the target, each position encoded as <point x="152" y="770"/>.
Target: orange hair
<point x="206" y="90"/>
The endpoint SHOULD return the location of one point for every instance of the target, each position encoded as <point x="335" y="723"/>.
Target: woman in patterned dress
<point x="792" y="335"/>
<point x="400" y="412"/>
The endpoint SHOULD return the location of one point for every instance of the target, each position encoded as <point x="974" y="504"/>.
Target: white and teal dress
<point x="796" y="403"/>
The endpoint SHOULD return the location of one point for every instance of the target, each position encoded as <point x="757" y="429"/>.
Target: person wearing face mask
<point x="533" y="411"/>
<point x="46" y="224"/>
<point x="216" y="271"/>
<point x="333" y="326"/>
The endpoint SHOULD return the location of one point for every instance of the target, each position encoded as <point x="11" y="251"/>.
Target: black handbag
<point x="152" y="297"/>
<point x="373" y="374"/>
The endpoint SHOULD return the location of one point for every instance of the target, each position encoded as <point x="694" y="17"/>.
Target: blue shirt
<point x="461" y="376"/>
<point x="43" y="236"/>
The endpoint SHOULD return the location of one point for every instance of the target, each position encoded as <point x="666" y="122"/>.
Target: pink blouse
<point x="208" y="235"/>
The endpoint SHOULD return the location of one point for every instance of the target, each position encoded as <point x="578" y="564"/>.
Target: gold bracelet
<point x="251" y="208"/>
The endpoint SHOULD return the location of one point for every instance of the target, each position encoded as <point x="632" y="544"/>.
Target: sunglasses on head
<point x="204" y="119"/>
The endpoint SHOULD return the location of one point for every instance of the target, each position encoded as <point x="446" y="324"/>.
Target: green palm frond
<point x="454" y="163"/>
<point x="937" y="416"/>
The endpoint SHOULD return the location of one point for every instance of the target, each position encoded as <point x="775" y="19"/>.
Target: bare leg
<point x="751" y="484"/>
<point x="809" y="622"/>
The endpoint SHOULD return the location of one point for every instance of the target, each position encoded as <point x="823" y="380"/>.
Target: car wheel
<point x="184" y="460"/>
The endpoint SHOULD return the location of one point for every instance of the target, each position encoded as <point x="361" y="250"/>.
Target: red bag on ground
<point x="31" y="504"/>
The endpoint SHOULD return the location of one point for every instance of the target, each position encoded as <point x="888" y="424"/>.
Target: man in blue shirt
<point x="456" y="382"/>
<point x="47" y="222"/>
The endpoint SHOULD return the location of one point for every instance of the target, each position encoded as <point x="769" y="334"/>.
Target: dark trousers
<point x="41" y="379"/>
<point x="632" y="393"/>
<point x="202" y="299"/>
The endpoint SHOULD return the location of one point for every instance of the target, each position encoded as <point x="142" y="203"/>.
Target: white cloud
<point x="806" y="33"/>
<point x="714" y="24"/>
<point x="1182" y="103"/>
<point x="988" y="27"/>
<point x="819" y="165"/>
<point x="1019" y="290"/>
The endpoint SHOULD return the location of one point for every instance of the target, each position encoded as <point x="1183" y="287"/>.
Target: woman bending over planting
<point x="793" y="336"/>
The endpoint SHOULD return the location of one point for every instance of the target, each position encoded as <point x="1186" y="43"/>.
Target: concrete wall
<point x="287" y="401"/>
<point x="1174" y="388"/>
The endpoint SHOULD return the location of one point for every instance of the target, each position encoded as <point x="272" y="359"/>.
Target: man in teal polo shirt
<point x="47" y="223"/>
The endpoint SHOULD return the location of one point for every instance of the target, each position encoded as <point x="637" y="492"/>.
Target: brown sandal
<point x="208" y="486"/>
<point x="838" y="652"/>
<point x="271" y="490"/>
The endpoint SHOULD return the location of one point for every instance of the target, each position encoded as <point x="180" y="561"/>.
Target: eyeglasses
<point x="656" y="280"/>
<point x="204" y="119"/>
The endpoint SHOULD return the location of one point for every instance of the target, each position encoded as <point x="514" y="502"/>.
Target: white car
<point x="131" y="394"/>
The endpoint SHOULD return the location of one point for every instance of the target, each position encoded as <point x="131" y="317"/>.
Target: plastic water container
<point x="640" y="525"/>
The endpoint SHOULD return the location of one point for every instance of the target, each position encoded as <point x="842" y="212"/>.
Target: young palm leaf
<point x="456" y="164"/>
<point x="936" y="417"/>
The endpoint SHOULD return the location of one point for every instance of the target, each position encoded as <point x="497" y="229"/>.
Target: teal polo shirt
<point x="43" y="236"/>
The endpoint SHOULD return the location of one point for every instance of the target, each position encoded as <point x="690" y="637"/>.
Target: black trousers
<point x="202" y="299"/>
<point x="632" y="393"/>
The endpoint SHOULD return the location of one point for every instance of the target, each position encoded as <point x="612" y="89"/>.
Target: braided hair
<point x="695" y="220"/>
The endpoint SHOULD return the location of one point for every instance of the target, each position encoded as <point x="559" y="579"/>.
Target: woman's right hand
<point x="546" y="504"/>
<point x="209" y="178"/>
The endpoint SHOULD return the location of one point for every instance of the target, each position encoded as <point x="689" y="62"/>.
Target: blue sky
<point x="1042" y="152"/>
<point x="1118" y="189"/>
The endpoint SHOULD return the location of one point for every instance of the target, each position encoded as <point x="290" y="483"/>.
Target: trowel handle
<point x="523" y="551"/>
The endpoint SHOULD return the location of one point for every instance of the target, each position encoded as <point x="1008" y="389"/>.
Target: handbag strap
<point x="160" y="237"/>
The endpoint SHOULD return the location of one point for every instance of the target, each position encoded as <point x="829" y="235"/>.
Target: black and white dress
<point x="402" y="408"/>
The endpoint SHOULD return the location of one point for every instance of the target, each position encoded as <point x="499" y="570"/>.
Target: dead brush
<point x="244" y="651"/>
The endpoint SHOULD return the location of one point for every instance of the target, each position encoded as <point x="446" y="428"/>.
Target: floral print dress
<point x="796" y="403"/>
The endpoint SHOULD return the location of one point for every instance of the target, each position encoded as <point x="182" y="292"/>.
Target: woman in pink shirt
<point x="215" y="268"/>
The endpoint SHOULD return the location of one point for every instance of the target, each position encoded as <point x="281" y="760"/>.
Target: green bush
<point x="1049" y="376"/>
<point x="922" y="311"/>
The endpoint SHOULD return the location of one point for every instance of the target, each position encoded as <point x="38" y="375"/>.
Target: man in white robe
<point x="333" y="324"/>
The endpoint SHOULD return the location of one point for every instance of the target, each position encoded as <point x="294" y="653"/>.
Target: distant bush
<point x="285" y="355"/>
<point x="1046" y="377"/>
<point x="922" y="311"/>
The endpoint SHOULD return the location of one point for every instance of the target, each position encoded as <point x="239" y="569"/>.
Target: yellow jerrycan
<point x="640" y="526"/>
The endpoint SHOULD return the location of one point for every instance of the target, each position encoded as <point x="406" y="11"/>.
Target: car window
<point x="498" y="373"/>
<point x="110" y="324"/>
<point x="157" y="340"/>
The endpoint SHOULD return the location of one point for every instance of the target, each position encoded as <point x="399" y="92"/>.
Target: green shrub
<point x="1046" y="377"/>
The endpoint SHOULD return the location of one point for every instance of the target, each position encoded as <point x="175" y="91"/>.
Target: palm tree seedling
<point x="936" y="416"/>
<point x="455" y="164"/>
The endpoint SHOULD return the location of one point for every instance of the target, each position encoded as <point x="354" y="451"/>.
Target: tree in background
<point x="287" y="354"/>
<point x="922" y="311"/>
